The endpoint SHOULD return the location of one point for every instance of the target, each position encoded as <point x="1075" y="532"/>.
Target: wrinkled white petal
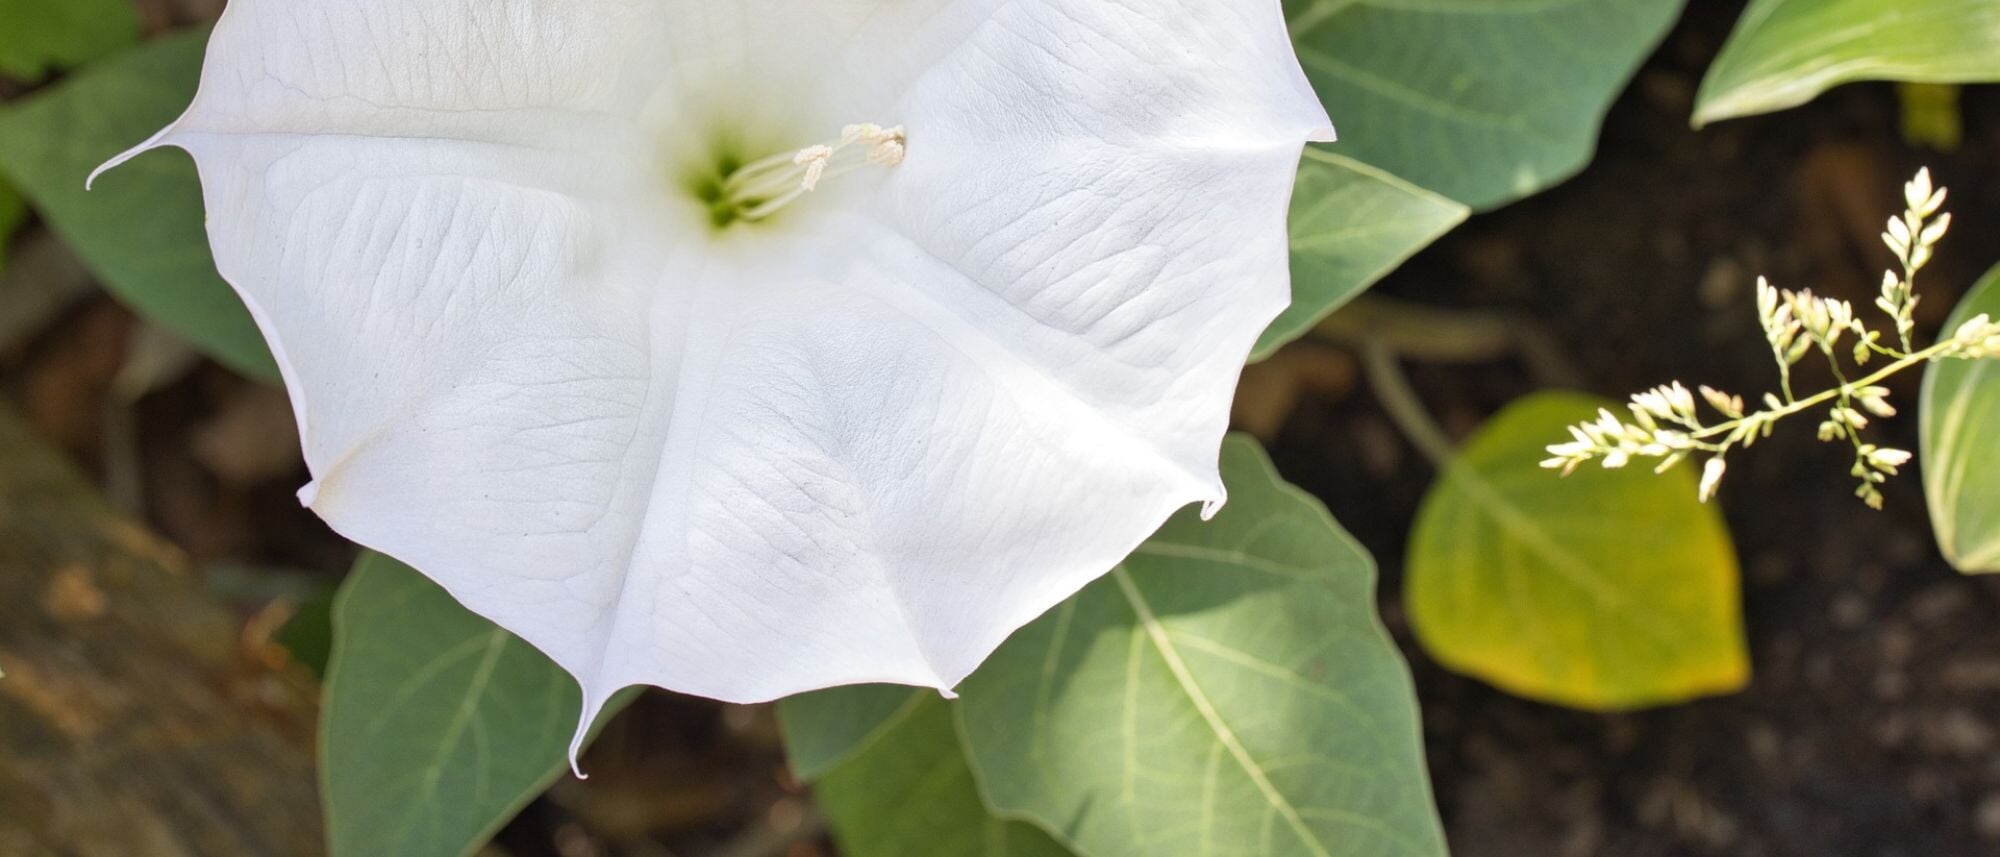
<point x="945" y="395"/>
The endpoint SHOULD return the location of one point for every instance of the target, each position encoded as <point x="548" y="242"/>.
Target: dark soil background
<point x="1871" y="724"/>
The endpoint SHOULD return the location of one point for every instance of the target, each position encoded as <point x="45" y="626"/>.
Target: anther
<point x="763" y="187"/>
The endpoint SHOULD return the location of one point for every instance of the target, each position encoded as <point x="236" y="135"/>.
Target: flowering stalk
<point x="1667" y="425"/>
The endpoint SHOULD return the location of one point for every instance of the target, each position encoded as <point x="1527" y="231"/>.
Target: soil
<point x="1870" y="726"/>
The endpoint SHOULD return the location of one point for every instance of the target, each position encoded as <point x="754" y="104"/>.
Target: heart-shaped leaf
<point x="437" y="725"/>
<point x="1226" y="690"/>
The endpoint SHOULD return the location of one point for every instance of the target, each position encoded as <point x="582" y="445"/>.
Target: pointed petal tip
<point x="157" y="140"/>
<point x="586" y="715"/>
<point x="1215" y="497"/>
<point x="309" y="494"/>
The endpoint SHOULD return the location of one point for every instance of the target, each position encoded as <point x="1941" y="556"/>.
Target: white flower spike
<point x="579" y="320"/>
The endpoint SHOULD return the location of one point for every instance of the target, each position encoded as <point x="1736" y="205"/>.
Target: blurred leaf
<point x="1228" y="685"/>
<point x="1605" y="590"/>
<point x="308" y="635"/>
<point x="13" y="213"/>
<point x="38" y="36"/>
<point x="141" y="230"/>
<point x="1932" y="117"/>
<point x="824" y="728"/>
<point x="1351" y="224"/>
<point x="1785" y="52"/>
<point x="1484" y="101"/>
<point x="437" y="726"/>
<point x="1960" y="413"/>
<point x="910" y="794"/>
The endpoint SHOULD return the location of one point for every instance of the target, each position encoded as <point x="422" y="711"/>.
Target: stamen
<point x="762" y="187"/>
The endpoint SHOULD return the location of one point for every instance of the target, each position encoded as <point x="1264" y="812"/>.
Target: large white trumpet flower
<point x="746" y="347"/>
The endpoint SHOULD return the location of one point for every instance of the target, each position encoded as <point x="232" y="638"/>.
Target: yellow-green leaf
<point x="1606" y="590"/>
<point x="1960" y="413"/>
<point x="1784" y="53"/>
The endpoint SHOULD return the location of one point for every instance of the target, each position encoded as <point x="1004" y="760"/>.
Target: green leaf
<point x="824" y="728"/>
<point x="911" y="795"/>
<point x="436" y="725"/>
<point x="308" y="636"/>
<point x="1786" y="52"/>
<point x="39" y="36"/>
<point x="140" y="230"/>
<point x="1605" y="590"/>
<point x="1960" y="414"/>
<point x="1351" y="224"/>
<point x="1484" y="101"/>
<point x="1228" y="690"/>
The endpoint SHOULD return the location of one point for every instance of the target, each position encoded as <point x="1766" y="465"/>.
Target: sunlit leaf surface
<point x="437" y="726"/>
<point x="1227" y="690"/>
<point x="1484" y="101"/>
<point x="1960" y="411"/>
<point x="1442" y="105"/>
<point x="1783" y="53"/>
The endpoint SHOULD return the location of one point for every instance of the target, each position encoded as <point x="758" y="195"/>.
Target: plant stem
<point x="1405" y="408"/>
<point x="1824" y="396"/>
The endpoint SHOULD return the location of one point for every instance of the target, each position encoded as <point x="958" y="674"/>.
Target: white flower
<point x="577" y="320"/>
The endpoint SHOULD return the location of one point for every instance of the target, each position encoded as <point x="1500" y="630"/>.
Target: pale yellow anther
<point x="767" y="185"/>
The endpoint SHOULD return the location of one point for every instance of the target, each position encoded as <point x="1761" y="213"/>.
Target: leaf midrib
<point x="1223" y="734"/>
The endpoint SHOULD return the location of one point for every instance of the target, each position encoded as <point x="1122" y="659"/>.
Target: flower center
<point x="751" y="192"/>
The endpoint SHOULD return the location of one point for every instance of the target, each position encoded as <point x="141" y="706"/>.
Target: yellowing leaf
<point x="1607" y="590"/>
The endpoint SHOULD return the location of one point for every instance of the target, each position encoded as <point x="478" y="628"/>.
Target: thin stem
<point x="1405" y="408"/>
<point x="1827" y="395"/>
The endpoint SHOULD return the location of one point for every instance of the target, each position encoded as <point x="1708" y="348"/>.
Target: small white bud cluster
<point x="1663" y="420"/>
<point x="1913" y="238"/>
<point x="1977" y="339"/>
<point x="1666" y="424"/>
